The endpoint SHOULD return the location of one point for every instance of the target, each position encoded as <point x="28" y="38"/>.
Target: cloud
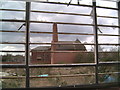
<point x="13" y="47"/>
<point x="13" y="37"/>
<point x="17" y="37"/>
<point x="108" y="39"/>
<point x="13" y="15"/>
<point x="12" y="4"/>
<point x="107" y="3"/>
<point x="10" y="26"/>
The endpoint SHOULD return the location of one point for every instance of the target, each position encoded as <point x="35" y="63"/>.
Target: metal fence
<point x="96" y="43"/>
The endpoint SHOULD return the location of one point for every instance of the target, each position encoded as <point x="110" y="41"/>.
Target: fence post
<point x="95" y="39"/>
<point x="119" y="42"/>
<point x="27" y="50"/>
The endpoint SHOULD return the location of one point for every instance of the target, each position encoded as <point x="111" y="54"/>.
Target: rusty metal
<point x="27" y="45"/>
<point x="27" y="51"/>
<point x="96" y="40"/>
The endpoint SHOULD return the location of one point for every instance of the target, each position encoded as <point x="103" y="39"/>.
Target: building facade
<point x="60" y="52"/>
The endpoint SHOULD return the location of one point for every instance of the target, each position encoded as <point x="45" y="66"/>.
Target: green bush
<point x="84" y="58"/>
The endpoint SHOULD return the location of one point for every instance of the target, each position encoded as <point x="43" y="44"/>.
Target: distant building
<point x="47" y="54"/>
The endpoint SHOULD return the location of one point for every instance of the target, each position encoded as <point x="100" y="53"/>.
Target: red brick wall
<point x="45" y="57"/>
<point x="59" y="58"/>
<point x="64" y="57"/>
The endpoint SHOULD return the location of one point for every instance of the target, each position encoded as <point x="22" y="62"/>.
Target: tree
<point x="6" y="58"/>
<point x="84" y="58"/>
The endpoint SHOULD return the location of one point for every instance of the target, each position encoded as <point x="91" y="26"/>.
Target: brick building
<point x="57" y="52"/>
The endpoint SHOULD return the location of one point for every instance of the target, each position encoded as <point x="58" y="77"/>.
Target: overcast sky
<point x="19" y="37"/>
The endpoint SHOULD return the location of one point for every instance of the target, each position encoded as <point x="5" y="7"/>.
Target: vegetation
<point x="16" y="83"/>
<point x="112" y="55"/>
<point x="84" y="58"/>
<point x="104" y="56"/>
<point x="6" y="58"/>
<point x="12" y="58"/>
<point x="80" y="58"/>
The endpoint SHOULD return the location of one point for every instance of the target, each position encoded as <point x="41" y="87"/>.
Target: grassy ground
<point x="58" y="81"/>
<point x="55" y="81"/>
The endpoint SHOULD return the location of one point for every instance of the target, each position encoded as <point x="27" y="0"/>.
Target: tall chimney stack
<point x="55" y="35"/>
<point x="54" y="40"/>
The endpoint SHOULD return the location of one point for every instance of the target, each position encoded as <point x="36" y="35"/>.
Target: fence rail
<point x="56" y="76"/>
<point x="60" y="43"/>
<point x="13" y="20"/>
<point x="65" y="33"/>
<point x="77" y="14"/>
<point x="27" y="44"/>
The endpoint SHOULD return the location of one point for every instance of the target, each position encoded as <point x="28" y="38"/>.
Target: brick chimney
<point x="55" y="35"/>
<point x="54" y="40"/>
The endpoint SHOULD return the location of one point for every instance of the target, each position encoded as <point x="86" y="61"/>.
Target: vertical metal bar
<point x="96" y="39"/>
<point x="119" y="22"/>
<point x="119" y="41"/>
<point x="27" y="52"/>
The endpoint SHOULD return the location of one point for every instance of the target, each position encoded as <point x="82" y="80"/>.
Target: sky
<point x="19" y="37"/>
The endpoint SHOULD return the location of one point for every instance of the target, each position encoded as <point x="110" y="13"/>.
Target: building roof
<point x="41" y="48"/>
<point x="70" y="46"/>
<point x="63" y="46"/>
